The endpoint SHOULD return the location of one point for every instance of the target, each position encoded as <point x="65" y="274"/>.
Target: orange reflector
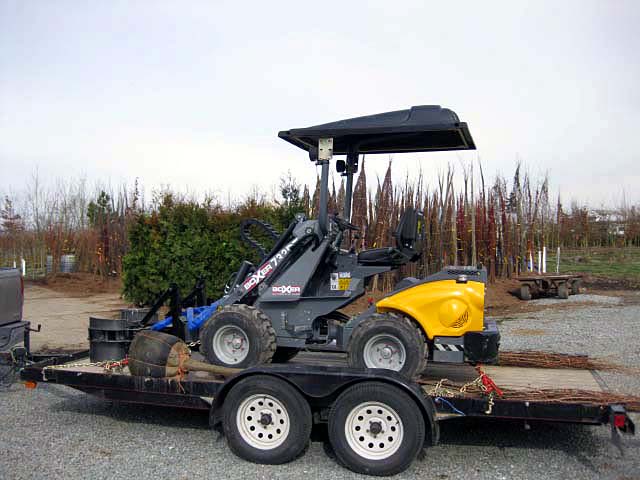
<point x="30" y="384"/>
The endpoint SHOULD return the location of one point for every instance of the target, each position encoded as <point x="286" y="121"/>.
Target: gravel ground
<point x="56" y="432"/>
<point x="580" y="298"/>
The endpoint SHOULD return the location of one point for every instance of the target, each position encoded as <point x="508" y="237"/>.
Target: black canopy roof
<point x="418" y="129"/>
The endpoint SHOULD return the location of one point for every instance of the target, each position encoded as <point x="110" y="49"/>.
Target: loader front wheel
<point x="238" y="336"/>
<point x="389" y="341"/>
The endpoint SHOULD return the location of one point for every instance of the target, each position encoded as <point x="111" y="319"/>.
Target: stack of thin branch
<point x="449" y="389"/>
<point x="586" y="397"/>
<point x="537" y="359"/>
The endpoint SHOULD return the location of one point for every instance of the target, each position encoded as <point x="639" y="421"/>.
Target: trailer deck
<point x="198" y="389"/>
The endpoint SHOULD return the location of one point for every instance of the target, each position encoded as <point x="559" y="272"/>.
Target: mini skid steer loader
<point x="292" y="299"/>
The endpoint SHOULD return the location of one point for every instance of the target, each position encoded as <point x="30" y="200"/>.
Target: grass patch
<point x="620" y="263"/>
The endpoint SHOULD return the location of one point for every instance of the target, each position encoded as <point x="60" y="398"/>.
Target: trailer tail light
<point x="619" y="420"/>
<point x="30" y="384"/>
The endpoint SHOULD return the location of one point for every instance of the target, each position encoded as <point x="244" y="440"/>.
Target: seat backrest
<point x="409" y="230"/>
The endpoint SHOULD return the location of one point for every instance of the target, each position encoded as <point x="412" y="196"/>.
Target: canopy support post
<point x="352" y="167"/>
<point x="325" y="153"/>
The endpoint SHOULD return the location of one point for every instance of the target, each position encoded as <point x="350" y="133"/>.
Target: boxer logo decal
<point x="285" y="290"/>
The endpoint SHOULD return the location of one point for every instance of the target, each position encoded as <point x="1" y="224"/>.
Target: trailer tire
<point x="525" y="292"/>
<point x="284" y="354"/>
<point x="250" y="437"/>
<point x="397" y="439"/>
<point x="407" y="344"/>
<point x="575" y="286"/>
<point x="238" y="336"/>
<point x="563" y="291"/>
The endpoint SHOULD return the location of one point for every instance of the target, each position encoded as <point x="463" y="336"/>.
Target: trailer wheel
<point x="389" y="341"/>
<point x="238" y="336"/>
<point x="575" y="286"/>
<point x="376" y="429"/>
<point x="266" y="420"/>
<point x="284" y="354"/>
<point x="525" y="292"/>
<point x="563" y="290"/>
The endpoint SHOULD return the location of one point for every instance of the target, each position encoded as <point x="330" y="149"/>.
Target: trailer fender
<point x="321" y="386"/>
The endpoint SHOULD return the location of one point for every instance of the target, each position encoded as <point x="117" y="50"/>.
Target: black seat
<point x="408" y="231"/>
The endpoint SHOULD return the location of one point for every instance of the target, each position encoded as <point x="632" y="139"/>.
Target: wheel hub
<point x="374" y="430"/>
<point x="263" y="422"/>
<point x="236" y="342"/>
<point x="375" y="427"/>
<point x="231" y="344"/>
<point x="384" y="351"/>
<point x="265" y="419"/>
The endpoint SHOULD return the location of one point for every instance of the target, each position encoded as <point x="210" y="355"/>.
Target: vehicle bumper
<point x="482" y="347"/>
<point x="12" y="333"/>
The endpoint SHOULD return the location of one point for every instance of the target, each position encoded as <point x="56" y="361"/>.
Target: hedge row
<point x="180" y="242"/>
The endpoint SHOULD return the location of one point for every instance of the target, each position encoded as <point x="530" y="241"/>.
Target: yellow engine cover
<point x="443" y="308"/>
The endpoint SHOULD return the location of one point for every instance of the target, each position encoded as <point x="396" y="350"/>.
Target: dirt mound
<point x="81" y="284"/>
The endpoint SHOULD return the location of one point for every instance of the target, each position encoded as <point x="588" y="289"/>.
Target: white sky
<point x="192" y="94"/>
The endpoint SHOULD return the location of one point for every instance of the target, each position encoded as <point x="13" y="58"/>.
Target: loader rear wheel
<point x="389" y="341"/>
<point x="266" y="420"/>
<point x="376" y="429"/>
<point x="284" y="354"/>
<point x="238" y="336"/>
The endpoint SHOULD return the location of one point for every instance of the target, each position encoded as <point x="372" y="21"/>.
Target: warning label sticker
<point x="340" y="281"/>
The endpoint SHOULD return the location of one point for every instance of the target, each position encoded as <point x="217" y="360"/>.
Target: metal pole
<point x="352" y="162"/>
<point x="325" y="153"/>
<point x="539" y="261"/>
<point x="324" y="196"/>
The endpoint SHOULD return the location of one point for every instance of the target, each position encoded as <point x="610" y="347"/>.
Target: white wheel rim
<point x="263" y="422"/>
<point x="231" y="344"/>
<point x="384" y="351"/>
<point x="374" y="430"/>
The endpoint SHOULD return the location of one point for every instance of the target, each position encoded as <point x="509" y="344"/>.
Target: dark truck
<point x="13" y="330"/>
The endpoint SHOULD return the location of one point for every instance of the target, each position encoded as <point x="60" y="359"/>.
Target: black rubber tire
<point x="297" y="408"/>
<point x="403" y="329"/>
<point x="563" y="291"/>
<point x="255" y="324"/>
<point x="575" y="287"/>
<point x="525" y="292"/>
<point x="284" y="354"/>
<point x="406" y="408"/>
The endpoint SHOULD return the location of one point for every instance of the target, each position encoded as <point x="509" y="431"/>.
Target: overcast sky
<point x="193" y="93"/>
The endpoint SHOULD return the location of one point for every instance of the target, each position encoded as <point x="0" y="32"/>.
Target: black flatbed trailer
<point x="325" y="385"/>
